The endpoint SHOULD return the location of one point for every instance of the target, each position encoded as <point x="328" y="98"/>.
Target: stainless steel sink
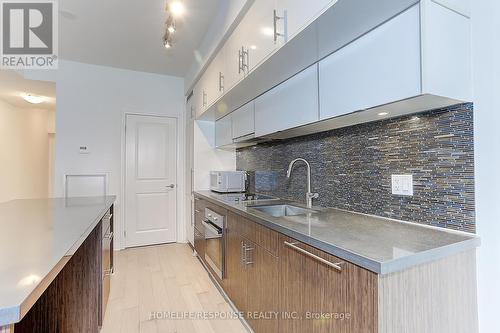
<point x="281" y="210"/>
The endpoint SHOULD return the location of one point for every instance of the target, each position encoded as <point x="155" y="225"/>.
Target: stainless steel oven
<point x="214" y="225"/>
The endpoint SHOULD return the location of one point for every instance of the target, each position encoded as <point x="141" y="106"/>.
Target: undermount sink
<point x="281" y="210"/>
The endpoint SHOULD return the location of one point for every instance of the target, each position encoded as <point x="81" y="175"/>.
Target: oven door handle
<point x="216" y="230"/>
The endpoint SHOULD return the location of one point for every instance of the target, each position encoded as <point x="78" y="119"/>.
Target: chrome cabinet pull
<point x="109" y="236"/>
<point x="240" y="60"/>
<point x="197" y="211"/>
<point x="221" y="82"/>
<point x="309" y="254"/>
<point x="276" y="18"/>
<point x="107" y="272"/>
<point x="248" y="249"/>
<point x="242" y="253"/>
<point x="244" y="64"/>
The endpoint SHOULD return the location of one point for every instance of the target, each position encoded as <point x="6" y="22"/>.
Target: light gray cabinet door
<point x="243" y="121"/>
<point x="223" y="135"/>
<point x="290" y="104"/>
<point x="379" y="68"/>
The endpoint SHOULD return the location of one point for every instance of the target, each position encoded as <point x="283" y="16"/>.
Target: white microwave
<point x="228" y="181"/>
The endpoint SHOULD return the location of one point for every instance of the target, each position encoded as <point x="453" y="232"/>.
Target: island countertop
<point x="378" y="244"/>
<point x="37" y="238"/>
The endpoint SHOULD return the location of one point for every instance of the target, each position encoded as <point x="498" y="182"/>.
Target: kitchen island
<point x="53" y="257"/>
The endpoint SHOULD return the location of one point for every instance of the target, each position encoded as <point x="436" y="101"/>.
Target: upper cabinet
<point x="291" y="104"/>
<point x="381" y="67"/>
<point x="318" y="65"/>
<point x="262" y="32"/>
<point x="243" y="121"/>
<point x="299" y="13"/>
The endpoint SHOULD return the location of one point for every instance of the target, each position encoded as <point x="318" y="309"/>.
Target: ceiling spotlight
<point x="167" y="44"/>
<point x="33" y="99"/>
<point x="383" y="113"/>
<point x="176" y="8"/>
<point x="171" y="28"/>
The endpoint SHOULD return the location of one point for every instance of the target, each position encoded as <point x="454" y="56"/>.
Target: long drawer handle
<point x="247" y="260"/>
<point x="109" y="236"/>
<point x="309" y="254"/>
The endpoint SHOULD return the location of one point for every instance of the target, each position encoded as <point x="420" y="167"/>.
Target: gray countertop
<point x="37" y="238"/>
<point x="378" y="244"/>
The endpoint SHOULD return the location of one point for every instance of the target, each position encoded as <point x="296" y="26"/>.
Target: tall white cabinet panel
<point x="233" y="72"/>
<point x="243" y="121"/>
<point x="381" y="67"/>
<point x="257" y="28"/>
<point x="223" y="131"/>
<point x="293" y="103"/>
<point x="214" y="81"/>
<point x="300" y="13"/>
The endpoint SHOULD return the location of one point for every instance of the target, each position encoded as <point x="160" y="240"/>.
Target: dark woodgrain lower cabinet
<point x="263" y="294"/>
<point x="107" y="262"/>
<point x="317" y="298"/>
<point x="71" y="302"/>
<point x="236" y="275"/>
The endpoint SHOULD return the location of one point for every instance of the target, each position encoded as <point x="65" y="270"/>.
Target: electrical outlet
<point x="402" y="185"/>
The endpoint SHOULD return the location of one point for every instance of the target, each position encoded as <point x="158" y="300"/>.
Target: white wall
<point x="206" y="157"/>
<point x="91" y="106"/>
<point x="24" y="153"/>
<point x="486" y="72"/>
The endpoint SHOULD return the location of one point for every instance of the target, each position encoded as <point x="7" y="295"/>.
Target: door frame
<point x="179" y="178"/>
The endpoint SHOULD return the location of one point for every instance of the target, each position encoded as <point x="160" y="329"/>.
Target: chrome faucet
<point x="309" y="194"/>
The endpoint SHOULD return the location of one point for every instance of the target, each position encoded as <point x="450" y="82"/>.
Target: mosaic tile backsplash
<point x="351" y="167"/>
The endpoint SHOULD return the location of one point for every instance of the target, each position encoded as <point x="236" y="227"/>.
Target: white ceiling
<point x="13" y="86"/>
<point x="128" y="33"/>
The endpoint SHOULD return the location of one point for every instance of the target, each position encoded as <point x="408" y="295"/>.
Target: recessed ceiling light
<point x="383" y="113"/>
<point x="33" y="99"/>
<point x="253" y="47"/>
<point x="167" y="44"/>
<point x="176" y="8"/>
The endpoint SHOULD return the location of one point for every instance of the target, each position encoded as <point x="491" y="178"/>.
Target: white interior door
<point x="150" y="185"/>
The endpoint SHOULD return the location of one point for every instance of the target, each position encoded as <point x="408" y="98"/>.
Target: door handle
<point x="170" y="186"/>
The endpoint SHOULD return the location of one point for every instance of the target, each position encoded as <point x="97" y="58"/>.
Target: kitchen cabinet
<point x="234" y="62"/>
<point x="200" y="96"/>
<point x="261" y="32"/>
<point x="199" y="233"/>
<point x="243" y="121"/>
<point x="236" y="274"/>
<point x="107" y="261"/>
<point x="300" y="13"/>
<point x="262" y="299"/>
<point x="292" y="103"/>
<point x="252" y="275"/>
<point x="381" y="67"/>
<point x="214" y="80"/>
<point x="223" y="131"/>
<point x="322" y="294"/>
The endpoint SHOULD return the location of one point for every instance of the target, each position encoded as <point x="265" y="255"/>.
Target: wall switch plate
<point x="83" y="150"/>
<point x="402" y="185"/>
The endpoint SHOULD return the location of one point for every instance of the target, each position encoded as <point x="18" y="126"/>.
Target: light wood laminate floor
<point x="164" y="278"/>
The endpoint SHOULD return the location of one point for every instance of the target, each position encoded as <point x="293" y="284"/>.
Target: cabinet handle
<point x="204" y="98"/>
<point x="242" y="253"/>
<point x="243" y="54"/>
<point x="107" y="272"/>
<point x="276" y="18"/>
<point x="309" y="254"/>
<point x="221" y="82"/>
<point x="109" y="236"/>
<point x="240" y="60"/>
<point x="248" y="249"/>
<point x="197" y="211"/>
